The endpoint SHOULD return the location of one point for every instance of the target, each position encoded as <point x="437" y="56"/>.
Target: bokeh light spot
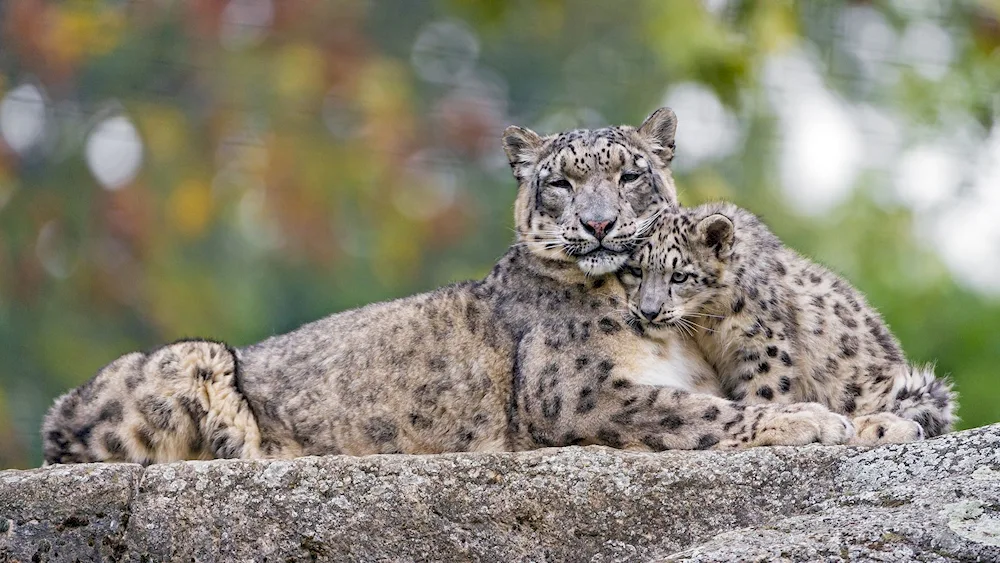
<point x="445" y="51"/>
<point x="23" y="117"/>
<point x="928" y="48"/>
<point x="114" y="152"/>
<point x="714" y="132"/>
<point x="927" y="176"/>
<point x="245" y="23"/>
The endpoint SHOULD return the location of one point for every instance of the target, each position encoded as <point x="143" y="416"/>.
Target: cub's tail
<point x="925" y="399"/>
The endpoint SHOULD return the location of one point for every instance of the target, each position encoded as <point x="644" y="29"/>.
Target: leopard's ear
<point x="718" y="233"/>
<point x="522" y="146"/>
<point x="659" y="130"/>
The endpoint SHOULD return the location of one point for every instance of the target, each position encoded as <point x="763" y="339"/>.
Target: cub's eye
<point x="627" y="177"/>
<point x="561" y="183"/>
<point x="679" y="277"/>
<point x="633" y="271"/>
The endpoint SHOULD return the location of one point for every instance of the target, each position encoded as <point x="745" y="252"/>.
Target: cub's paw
<point x="792" y="425"/>
<point x="885" y="428"/>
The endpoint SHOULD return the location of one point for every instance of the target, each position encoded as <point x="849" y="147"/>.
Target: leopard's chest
<point x="676" y="363"/>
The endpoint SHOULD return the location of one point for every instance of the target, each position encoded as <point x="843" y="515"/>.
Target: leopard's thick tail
<point x="181" y="401"/>
<point x="930" y="401"/>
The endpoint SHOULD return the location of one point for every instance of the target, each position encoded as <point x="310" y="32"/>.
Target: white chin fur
<point x="659" y="332"/>
<point x="601" y="266"/>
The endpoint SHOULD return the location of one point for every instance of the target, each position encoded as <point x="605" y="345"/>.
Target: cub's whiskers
<point x="693" y="325"/>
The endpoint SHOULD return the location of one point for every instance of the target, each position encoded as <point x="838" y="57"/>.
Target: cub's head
<point x="679" y="276"/>
<point x="591" y="196"/>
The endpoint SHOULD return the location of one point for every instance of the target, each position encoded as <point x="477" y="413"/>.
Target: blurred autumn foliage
<point x="234" y="168"/>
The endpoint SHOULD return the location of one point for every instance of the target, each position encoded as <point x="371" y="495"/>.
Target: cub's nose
<point x="597" y="227"/>
<point x="649" y="314"/>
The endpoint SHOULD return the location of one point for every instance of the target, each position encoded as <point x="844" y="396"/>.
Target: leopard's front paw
<point x="792" y="425"/>
<point x="885" y="428"/>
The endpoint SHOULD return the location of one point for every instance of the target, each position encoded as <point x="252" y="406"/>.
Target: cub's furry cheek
<point x="640" y="198"/>
<point x="630" y="276"/>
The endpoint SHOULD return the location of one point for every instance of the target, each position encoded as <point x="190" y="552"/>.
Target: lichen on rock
<point x="936" y="500"/>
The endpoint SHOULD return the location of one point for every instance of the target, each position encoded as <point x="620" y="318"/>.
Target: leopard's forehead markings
<point x="584" y="150"/>
<point x="667" y="249"/>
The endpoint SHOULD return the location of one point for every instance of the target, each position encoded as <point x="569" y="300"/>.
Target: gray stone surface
<point x="65" y="512"/>
<point x="932" y="501"/>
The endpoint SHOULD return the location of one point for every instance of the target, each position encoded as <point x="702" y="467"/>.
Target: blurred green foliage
<point x="303" y="157"/>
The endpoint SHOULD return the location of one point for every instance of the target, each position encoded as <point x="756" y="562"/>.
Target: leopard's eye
<point x="633" y="271"/>
<point x="679" y="277"/>
<point x="561" y="183"/>
<point x="627" y="177"/>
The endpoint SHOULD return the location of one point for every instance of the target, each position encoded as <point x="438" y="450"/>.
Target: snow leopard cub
<point x="778" y="327"/>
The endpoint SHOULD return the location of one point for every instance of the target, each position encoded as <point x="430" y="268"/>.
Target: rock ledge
<point x="937" y="500"/>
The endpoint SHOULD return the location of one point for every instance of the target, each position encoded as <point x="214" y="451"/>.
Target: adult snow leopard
<point x="536" y="354"/>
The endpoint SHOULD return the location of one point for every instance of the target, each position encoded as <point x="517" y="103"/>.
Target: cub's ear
<point x="658" y="130"/>
<point x="521" y="146"/>
<point x="718" y="233"/>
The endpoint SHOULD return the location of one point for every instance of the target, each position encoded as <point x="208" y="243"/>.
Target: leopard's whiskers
<point x="694" y="324"/>
<point x="705" y="315"/>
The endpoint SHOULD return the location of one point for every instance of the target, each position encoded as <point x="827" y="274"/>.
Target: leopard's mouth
<point x="655" y="330"/>
<point x="599" y="253"/>
<point x="665" y="323"/>
<point x="601" y="261"/>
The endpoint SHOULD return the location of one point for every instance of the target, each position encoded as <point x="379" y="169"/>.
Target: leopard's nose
<point x="597" y="227"/>
<point x="649" y="314"/>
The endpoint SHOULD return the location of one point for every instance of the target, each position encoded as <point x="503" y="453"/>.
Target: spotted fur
<point x="536" y="354"/>
<point x="181" y="401"/>
<point x="616" y="175"/>
<point x="778" y="327"/>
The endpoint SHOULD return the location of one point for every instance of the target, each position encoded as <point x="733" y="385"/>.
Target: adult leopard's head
<point x="591" y="196"/>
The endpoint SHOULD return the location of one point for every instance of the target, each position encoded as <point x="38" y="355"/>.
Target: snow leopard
<point x="536" y="354"/>
<point x="778" y="327"/>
